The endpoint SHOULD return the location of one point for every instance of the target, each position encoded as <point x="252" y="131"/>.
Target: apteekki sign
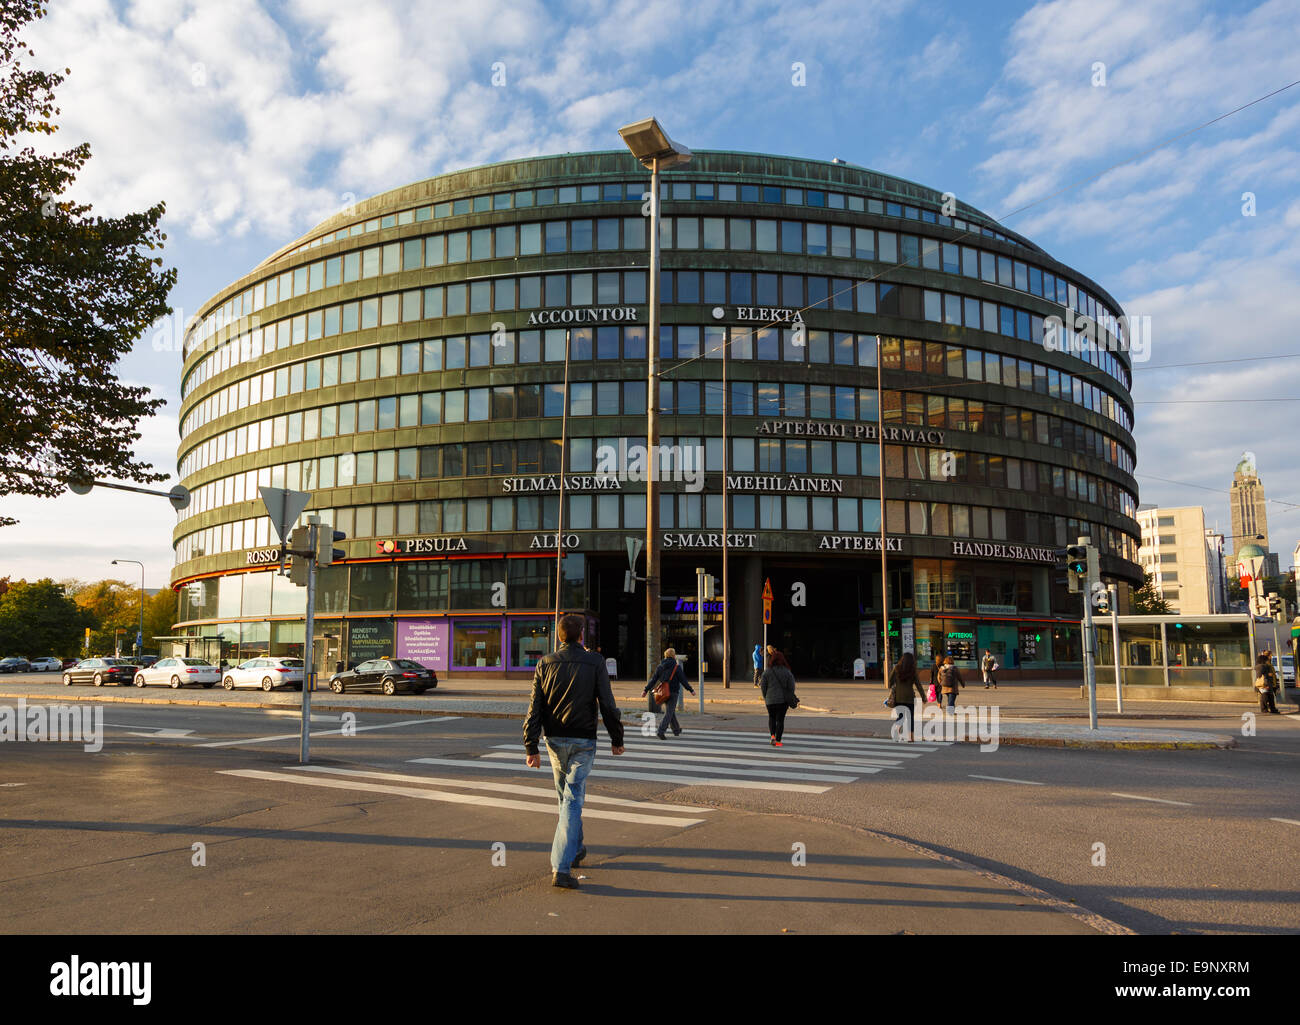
<point x="855" y="431"/>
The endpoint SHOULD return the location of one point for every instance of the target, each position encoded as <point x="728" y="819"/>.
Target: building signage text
<point x="1028" y="553"/>
<point x="576" y="482"/>
<point x="421" y="545"/>
<point x="263" y="556"/>
<point x="708" y="540"/>
<point x="864" y="432"/>
<point x="552" y="540"/>
<point x="784" y="483"/>
<point x="770" y="314"/>
<point x="584" y="315"/>
<point x="858" y="543"/>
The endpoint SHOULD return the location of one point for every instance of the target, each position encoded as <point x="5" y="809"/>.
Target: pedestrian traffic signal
<point x="326" y="539"/>
<point x="1076" y="564"/>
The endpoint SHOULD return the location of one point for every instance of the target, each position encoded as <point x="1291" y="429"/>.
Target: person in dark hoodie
<point x="669" y="669"/>
<point x="906" y="687"/>
<point x="777" y="685"/>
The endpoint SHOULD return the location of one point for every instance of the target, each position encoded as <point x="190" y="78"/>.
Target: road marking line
<point x="505" y="788"/>
<point x="1157" y="800"/>
<point x="816" y="739"/>
<point x="1289" y="822"/>
<point x="327" y="733"/>
<point x="550" y="808"/>
<point x="654" y="762"/>
<point x="821" y="754"/>
<point x="1003" y="779"/>
<point x="743" y="784"/>
<point x="739" y="758"/>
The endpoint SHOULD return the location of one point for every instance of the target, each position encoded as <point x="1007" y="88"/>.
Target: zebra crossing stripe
<point x="730" y="757"/>
<point x="504" y="788"/>
<point x="652" y="777"/>
<point x="420" y="793"/>
<point x="652" y="762"/>
<point x="816" y="740"/>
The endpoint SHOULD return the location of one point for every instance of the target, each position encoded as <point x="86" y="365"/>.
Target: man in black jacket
<point x="568" y="685"/>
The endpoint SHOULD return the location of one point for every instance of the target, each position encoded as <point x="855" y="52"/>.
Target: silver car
<point x="266" y="672"/>
<point x="177" y="671"/>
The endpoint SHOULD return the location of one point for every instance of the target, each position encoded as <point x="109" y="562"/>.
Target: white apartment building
<point x="1183" y="558"/>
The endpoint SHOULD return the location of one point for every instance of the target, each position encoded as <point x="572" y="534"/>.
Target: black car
<point x="100" y="671"/>
<point x="386" y="674"/>
<point x="15" y="665"/>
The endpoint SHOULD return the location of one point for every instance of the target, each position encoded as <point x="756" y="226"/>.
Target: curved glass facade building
<point x="405" y="362"/>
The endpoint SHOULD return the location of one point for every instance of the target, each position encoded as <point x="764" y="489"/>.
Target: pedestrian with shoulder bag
<point x="1265" y="683"/>
<point x="667" y="682"/>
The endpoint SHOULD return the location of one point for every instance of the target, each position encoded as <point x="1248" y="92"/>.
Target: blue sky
<point x="254" y="121"/>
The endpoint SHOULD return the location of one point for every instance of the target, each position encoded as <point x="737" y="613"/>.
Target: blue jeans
<point x="950" y="699"/>
<point x="669" y="720"/>
<point x="571" y="761"/>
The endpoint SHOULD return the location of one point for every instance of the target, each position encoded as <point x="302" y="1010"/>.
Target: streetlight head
<point x="649" y="142"/>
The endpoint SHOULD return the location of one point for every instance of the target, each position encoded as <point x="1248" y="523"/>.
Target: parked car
<point x="49" y="664"/>
<point x="100" y="671"/>
<point x="385" y="674"/>
<point x="68" y="663"/>
<point x="13" y="664"/>
<point x="1287" y="669"/>
<point x="266" y="673"/>
<point x="177" y="671"/>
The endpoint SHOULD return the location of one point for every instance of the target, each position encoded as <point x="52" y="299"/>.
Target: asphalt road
<point x="697" y="834"/>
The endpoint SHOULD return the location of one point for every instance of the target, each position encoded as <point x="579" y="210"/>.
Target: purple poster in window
<point x="424" y="641"/>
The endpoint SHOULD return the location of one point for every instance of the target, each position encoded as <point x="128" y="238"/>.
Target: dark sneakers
<point x="564" y="880"/>
<point x="579" y="857"/>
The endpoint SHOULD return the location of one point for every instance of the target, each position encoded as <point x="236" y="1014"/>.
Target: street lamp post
<point x="140" y="641"/>
<point x="650" y="144"/>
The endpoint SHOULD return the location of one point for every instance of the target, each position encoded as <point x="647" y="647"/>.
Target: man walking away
<point x="989" y="666"/>
<point x="568" y="685"/>
<point x="758" y="662"/>
<point x="671" y="670"/>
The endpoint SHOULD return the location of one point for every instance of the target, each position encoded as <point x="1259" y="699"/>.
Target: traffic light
<point x="1275" y="605"/>
<point x="710" y="587"/>
<point x="1076" y="564"/>
<point x="326" y="539"/>
<point x="1094" y="566"/>
<point x="299" y="565"/>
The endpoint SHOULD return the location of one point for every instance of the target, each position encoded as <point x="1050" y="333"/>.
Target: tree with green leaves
<point x="1146" y="600"/>
<point x="76" y="291"/>
<point x="39" y="619"/>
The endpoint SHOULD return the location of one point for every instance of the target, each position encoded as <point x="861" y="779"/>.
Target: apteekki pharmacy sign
<point x="855" y="431"/>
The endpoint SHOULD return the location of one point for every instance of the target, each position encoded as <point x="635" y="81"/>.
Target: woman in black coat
<point x="906" y="688"/>
<point x="777" y="684"/>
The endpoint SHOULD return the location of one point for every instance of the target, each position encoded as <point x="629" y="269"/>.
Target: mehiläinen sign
<point x="834" y="429"/>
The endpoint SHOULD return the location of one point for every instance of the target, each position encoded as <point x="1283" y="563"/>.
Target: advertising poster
<point x="424" y="641"/>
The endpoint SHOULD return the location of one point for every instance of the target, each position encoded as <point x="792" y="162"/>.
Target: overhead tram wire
<point x="1217" y="491"/>
<point x="1000" y="219"/>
